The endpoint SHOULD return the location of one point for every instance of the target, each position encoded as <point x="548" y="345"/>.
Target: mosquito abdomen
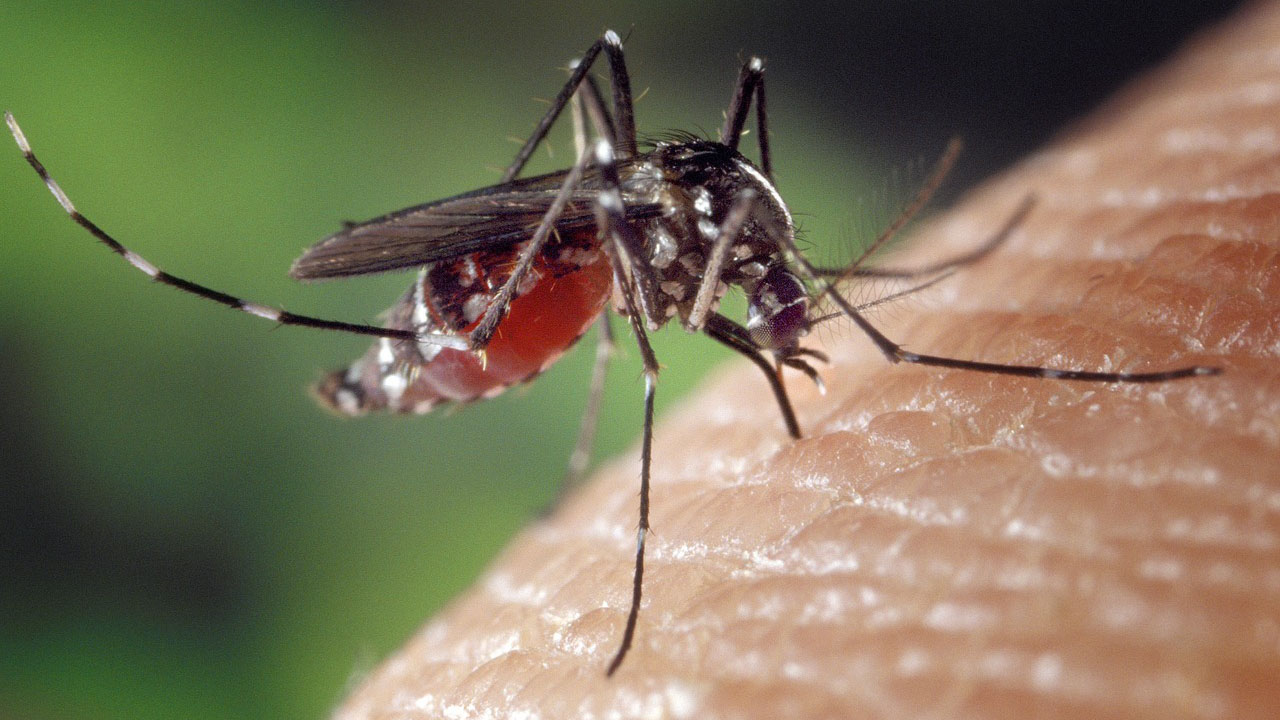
<point x="562" y="296"/>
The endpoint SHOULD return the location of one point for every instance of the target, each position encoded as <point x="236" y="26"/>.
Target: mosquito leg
<point x="611" y="218"/>
<point x="591" y="415"/>
<point x="956" y="261"/>
<point x="576" y="74"/>
<point x="614" y="132"/>
<point x="497" y="309"/>
<point x="611" y="213"/>
<point x="642" y="529"/>
<point x="626" y="132"/>
<point x="623" y="110"/>
<point x="646" y="455"/>
<point x="728" y="333"/>
<point x="589" y="107"/>
<point x="579" y="116"/>
<point x="273" y="314"/>
<point x="728" y="232"/>
<point x="896" y="354"/>
<point x="762" y="130"/>
<point x="736" y="337"/>
<point x="594" y="110"/>
<point x="750" y="80"/>
<point x="735" y="116"/>
<point x="624" y="246"/>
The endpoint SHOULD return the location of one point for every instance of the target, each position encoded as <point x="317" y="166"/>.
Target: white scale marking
<point x="261" y="311"/>
<point x="422" y="321"/>
<point x="441" y="340"/>
<point x="475" y="306"/>
<point x="18" y="135"/>
<point x="420" y="316"/>
<point x="63" y="200"/>
<point x="386" y="354"/>
<point x="347" y="401"/>
<point x="394" y="386"/>
<point x="773" y="191"/>
<point x="702" y="203"/>
<point x="141" y="263"/>
<point x="611" y="200"/>
<point x="469" y="272"/>
<point x="428" y="351"/>
<point x="25" y="147"/>
<point x="604" y="153"/>
<point x="664" y="248"/>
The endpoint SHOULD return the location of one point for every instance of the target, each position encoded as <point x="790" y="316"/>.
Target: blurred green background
<point x="183" y="533"/>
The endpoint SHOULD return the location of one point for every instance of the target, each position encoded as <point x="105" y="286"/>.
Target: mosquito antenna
<point x="951" y="263"/>
<point x="941" y="169"/>
<point x="886" y="299"/>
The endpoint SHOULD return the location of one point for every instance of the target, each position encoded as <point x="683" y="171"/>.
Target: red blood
<point x="542" y="324"/>
<point x="564" y="292"/>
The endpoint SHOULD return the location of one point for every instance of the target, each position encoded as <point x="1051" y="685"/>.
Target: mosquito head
<point x="778" y="310"/>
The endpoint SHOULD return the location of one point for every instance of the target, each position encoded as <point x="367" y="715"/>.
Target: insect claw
<point x="794" y="362"/>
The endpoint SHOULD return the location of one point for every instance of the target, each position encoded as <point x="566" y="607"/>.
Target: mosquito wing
<point x="485" y="219"/>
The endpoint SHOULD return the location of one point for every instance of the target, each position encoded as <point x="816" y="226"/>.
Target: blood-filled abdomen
<point x="563" y="294"/>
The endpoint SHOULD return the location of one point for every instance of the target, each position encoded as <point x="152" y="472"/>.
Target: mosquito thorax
<point x="697" y="182"/>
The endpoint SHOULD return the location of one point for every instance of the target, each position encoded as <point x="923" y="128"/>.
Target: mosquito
<point x="509" y="277"/>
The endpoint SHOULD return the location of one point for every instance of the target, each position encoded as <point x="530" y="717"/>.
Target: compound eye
<point x="778" y="310"/>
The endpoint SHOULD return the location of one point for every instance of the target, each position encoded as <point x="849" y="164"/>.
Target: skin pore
<point x="947" y="543"/>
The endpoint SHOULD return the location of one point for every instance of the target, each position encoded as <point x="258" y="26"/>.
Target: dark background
<point x="182" y="532"/>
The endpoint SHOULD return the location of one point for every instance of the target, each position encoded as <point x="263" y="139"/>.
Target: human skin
<point x="946" y="543"/>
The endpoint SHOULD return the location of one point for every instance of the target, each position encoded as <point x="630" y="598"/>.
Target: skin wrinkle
<point x="946" y="543"/>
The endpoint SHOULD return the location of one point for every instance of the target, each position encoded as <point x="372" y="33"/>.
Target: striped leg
<point x="617" y="133"/>
<point x="728" y="232"/>
<point x="651" y="368"/>
<point x="273" y="314"/>
<point x="624" y="135"/>
<point x="895" y="354"/>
